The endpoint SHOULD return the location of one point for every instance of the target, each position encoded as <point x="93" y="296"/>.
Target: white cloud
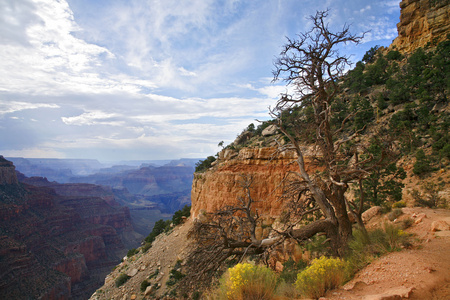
<point x="185" y="72"/>
<point x="93" y="118"/>
<point x="7" y="107"/>
<point x="362" y="10"/>
<point x="379" y="29"/>
<point x="56" y="62"/>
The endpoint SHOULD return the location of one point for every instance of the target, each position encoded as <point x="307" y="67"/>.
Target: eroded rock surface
<point x="422" y="22"/>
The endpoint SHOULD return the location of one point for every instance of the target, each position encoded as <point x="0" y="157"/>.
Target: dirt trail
<point x="419" y="273"/>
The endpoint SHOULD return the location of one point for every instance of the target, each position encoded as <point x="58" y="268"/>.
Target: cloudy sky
<point x="152" y="79"/>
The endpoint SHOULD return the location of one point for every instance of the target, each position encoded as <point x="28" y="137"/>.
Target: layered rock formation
<point x="422" y="22"/>
<point x="58" y="244"/>
<point x="221" y="185"/>
<point x="7" y="172"/>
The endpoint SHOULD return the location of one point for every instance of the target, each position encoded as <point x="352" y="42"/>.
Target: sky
<point x="146" y="79"/>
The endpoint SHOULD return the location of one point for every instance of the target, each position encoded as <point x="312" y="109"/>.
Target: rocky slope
<point x="421" y="272"/>
<point x="422" y="22"/>
<point x="57" y="246"/>
<point x="169" y="251"/>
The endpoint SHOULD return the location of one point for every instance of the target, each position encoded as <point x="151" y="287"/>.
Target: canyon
<point x="57" y="243"/>
<point x="150" y="189"/>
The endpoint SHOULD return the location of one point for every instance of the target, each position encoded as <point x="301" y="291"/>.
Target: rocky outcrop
<point x="220" y="186"/>
<point x="422" y="22"/>
<point x="7" y="172"/>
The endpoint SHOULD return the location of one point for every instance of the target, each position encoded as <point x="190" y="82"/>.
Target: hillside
<point x="387" y="121"/>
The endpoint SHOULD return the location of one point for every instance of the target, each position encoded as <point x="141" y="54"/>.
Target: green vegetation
<point x="366" y="247"/>
<point x="384" y="185"/>
<point x="159" y="227"/>
<point x="291" y="269"/>
<point x="144" y="285"/>
<point x="248" y="281"/>
<point x="132" y="252"/>
<point x="204" y="165"/>
<point x="422" y="164"/>
<point x="122" y="279"/>
<point x="164" y="226"/>
<point x="179" y="214"/>
<point x="146" y="247"/>
<point x="430" y="196"/>
<point x="394" y="214"/>
<point x="175" y="274"/>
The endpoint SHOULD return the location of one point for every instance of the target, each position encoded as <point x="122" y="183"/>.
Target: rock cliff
<point x="422" y="22"/>
<point x="220" y="185"/>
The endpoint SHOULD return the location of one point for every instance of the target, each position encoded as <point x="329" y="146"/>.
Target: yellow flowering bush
<point x="249" y="282"/>
<point x="323" y="274"/>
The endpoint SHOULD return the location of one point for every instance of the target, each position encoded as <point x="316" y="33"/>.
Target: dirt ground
<point x="422" y="272"/>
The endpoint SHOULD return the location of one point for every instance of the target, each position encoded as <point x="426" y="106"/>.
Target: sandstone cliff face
<point x="421" y="22"/>
<point x="220" y="185"/>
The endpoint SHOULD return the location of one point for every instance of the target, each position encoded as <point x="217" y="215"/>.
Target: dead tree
<point x="312" y="65"/>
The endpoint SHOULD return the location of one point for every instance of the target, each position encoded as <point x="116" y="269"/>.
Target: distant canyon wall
<point x="58" y="241"/>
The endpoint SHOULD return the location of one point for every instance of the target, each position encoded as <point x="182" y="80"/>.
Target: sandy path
<point x="419" y="273"/>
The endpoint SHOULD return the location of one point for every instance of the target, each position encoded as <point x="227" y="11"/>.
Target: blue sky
<point x="147" y="79"/>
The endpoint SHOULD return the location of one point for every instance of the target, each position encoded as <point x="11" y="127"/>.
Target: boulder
<point x="132" y="272"/>
<point x="440" y="225"/>
<point x="397" y="293"/>
<point x="419" y="218"/>
<point x="148" y="290"/>
<point x="269" y="130"/>
<point x="370" y="213"/>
